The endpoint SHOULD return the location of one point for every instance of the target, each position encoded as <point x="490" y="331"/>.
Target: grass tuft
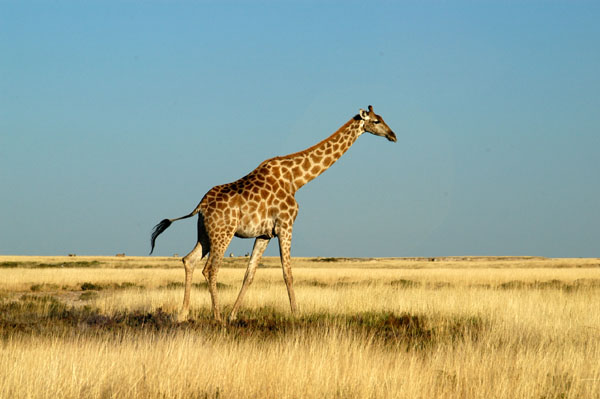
<point x="91" y="286"/>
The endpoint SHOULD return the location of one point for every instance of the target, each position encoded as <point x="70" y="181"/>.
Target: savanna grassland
<point x="473" y="327"/>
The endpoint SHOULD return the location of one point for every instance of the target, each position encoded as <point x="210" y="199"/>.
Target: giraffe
<point x="261" y="205"/>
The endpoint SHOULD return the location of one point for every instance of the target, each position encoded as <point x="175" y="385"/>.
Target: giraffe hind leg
<point x="219" y="242"/>
<point x="189" y="264"/>
<point x="210" y="273"/>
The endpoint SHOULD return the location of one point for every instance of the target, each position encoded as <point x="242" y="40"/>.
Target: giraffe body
<point x="262" y="204"/>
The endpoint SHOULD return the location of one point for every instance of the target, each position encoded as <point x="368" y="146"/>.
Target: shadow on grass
<point x="87" y="286"/>
<point x="48" y="316"/>
<point x="203" y="285"/>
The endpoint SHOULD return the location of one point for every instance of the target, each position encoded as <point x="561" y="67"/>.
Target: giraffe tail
<point x="164" y="224"/>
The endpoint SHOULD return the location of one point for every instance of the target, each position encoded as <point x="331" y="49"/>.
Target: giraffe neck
<point x="310" y="163"/>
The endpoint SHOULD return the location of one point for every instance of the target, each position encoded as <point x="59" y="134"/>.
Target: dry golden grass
<point x="462" y="329"/>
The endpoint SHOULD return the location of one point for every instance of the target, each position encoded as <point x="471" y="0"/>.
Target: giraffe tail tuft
<point x="165" y="223"/>
<point x="159" y="228"/>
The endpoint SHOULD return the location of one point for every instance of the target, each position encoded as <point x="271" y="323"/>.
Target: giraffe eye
<point x="376" y="122"/>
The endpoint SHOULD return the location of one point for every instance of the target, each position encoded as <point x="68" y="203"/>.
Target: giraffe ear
<point x="364" y="115"/>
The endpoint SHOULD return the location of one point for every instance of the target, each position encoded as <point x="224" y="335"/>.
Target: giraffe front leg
<point x="260" y="244"/>
<point x="189" y="263"/>
<point x="285" y="243"/>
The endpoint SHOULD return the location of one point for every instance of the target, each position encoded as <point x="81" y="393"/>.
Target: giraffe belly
<point x="247" y="229"/>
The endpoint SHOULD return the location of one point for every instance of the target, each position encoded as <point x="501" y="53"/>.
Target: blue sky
<point x="115" y="115"/>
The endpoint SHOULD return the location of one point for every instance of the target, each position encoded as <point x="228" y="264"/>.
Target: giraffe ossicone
<point x="261" y="205"/>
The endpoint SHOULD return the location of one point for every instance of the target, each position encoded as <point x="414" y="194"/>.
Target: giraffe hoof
<point x="182" y="317"/>
<point x="218" y="318"/>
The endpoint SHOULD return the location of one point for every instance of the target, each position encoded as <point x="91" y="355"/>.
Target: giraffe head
<point x="374" y="124"/>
